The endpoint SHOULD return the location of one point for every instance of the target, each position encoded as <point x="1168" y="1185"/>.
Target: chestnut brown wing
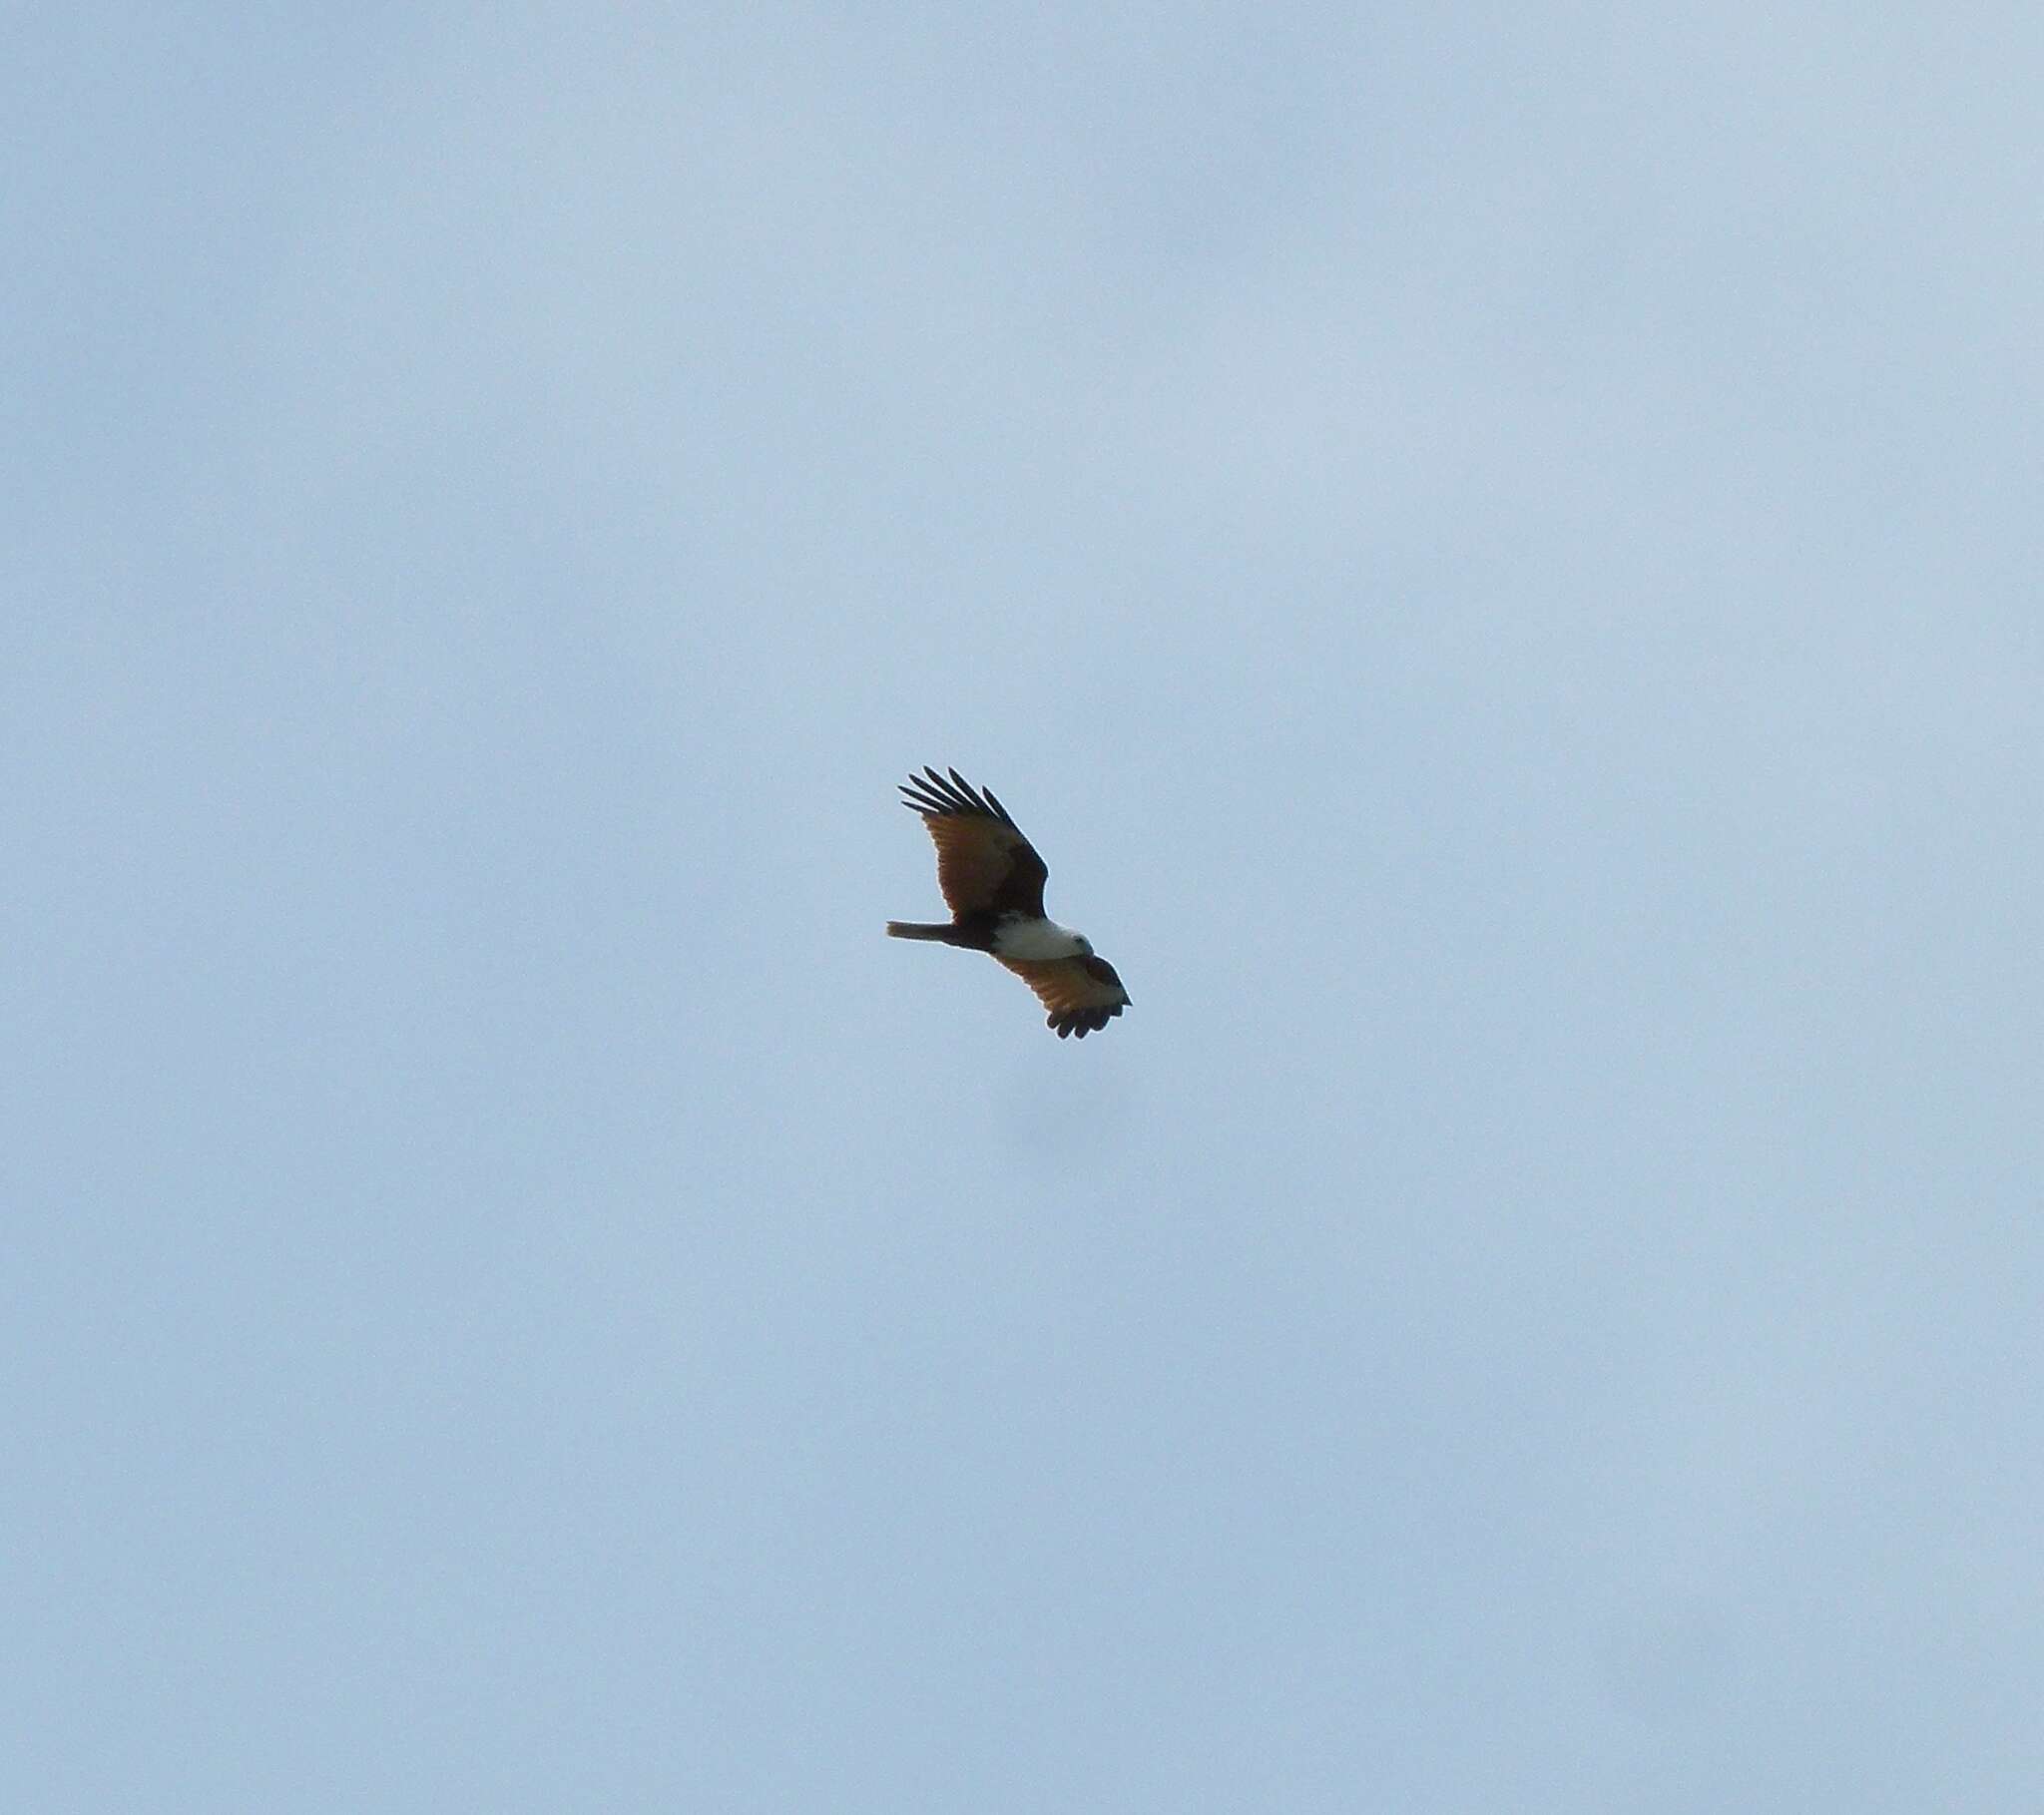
<point x="984" y="862"/>
<point x="1082" y="994"/>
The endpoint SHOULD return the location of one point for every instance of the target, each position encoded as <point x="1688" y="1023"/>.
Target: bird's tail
<point x="910" y="929"/>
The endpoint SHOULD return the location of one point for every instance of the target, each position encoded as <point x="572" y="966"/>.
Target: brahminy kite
<point x="993" y="880"/>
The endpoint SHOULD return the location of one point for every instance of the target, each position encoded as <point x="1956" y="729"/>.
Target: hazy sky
<point x="1495" y="549"/>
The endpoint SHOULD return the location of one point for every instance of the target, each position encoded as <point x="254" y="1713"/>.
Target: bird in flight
<point x="993" y="880"/>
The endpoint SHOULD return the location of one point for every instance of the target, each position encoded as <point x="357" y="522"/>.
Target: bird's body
<point x="1009" y="935"/>
<point x="992" y="881"/>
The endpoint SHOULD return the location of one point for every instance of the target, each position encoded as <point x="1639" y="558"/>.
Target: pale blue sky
<point x="1496" y="552"/>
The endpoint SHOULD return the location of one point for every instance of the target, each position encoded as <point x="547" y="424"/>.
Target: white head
<point x="1040" y="940"/>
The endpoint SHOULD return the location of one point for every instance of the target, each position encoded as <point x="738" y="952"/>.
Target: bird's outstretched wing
<point x="1082" y="994"/>
<point x="984" y="862"/>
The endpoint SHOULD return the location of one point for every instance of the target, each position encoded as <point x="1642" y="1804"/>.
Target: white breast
<point x="1036" y="939"/>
